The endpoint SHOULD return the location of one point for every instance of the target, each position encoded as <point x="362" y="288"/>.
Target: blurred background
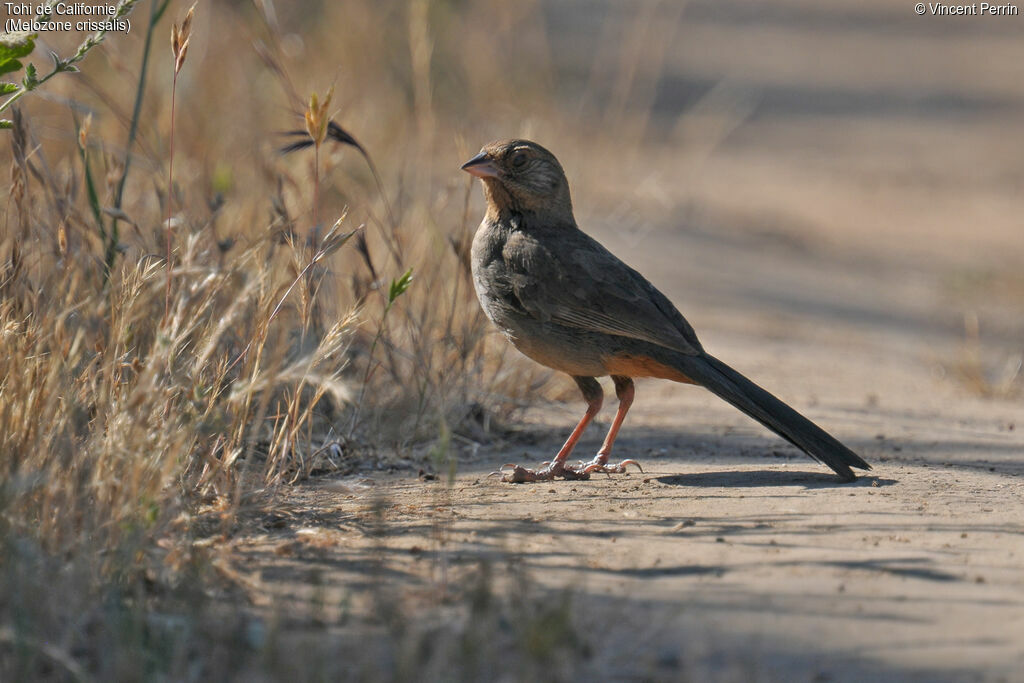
<point x="852" y="164"/>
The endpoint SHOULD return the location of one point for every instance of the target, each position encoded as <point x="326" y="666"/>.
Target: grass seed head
<point x="180" y="39"/>
<point x="316" y="116"/>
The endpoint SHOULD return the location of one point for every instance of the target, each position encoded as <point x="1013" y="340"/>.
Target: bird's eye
<point x="519" y="159"/>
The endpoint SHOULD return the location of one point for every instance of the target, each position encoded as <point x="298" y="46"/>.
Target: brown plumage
<point x="568" y="303"/>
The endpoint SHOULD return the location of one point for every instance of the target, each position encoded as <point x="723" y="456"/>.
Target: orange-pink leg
<point x="625" y="391"/>
<point x="556" y="468"/>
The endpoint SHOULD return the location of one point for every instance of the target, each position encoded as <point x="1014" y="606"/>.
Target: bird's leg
<point x="624" y="391"/>
<point x="556" y="468"/>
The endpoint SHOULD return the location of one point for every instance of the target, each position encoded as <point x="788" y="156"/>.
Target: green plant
<point x="16" y="46"/>
<point x="396" y="289"/>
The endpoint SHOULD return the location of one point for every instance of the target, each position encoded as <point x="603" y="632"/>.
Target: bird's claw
<point x="555" y="469"/>
<point x="596" y="465"/>
<point x="547" y="472"/>
<point x="500" y="471"/>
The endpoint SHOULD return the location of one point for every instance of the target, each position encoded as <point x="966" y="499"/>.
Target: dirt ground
<point x="853" y="245"/>
<point x="733" y="555"/>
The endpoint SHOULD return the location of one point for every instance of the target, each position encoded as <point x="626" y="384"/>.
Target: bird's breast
<point x="490" y="272"/>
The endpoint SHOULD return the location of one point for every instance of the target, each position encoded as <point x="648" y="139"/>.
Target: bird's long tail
<point x="733" y="387"/>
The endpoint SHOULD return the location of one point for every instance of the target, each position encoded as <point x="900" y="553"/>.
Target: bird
<point x="565" y="301"/>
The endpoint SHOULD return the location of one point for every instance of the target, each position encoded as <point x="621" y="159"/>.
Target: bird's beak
<point x="482" y="166"/>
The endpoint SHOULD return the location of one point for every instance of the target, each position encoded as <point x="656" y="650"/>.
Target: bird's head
<point x="521" y="176"/>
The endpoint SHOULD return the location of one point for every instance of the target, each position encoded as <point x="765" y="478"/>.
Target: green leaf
<point x="30" y="80"/>
<point x="5" y="124"/>
<point x="16" y="45"/>
<point x="8" y="88"/>
<point x="9" y="65"/>
<point x="90" y="183"/>
<point x="399" y="286"/>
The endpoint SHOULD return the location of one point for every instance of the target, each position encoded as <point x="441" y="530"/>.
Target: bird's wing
<point x="580" y="284"/>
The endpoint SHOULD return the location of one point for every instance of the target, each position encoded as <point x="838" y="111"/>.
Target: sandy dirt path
<point x="732" y="556"/>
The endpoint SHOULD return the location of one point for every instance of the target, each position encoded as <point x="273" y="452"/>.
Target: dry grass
<point x="139" y="389"/>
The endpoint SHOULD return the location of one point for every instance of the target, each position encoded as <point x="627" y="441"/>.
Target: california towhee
<point x="568" y="303"/>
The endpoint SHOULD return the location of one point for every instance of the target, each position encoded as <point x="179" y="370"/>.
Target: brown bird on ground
<point x="568" y="303"/>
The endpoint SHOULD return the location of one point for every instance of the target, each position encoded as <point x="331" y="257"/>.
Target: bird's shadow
<point x="758" y="478"/>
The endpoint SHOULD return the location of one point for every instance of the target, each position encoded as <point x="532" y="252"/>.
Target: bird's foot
<point x="600" y="464"/>
<point x="519" y="474"/>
